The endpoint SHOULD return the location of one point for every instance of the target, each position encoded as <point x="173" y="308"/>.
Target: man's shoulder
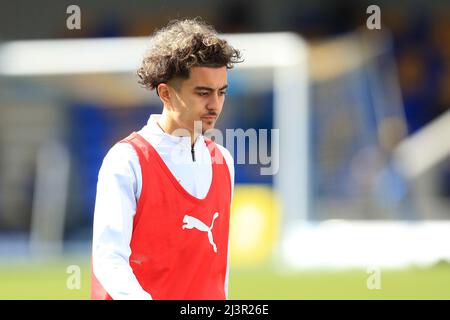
<point x="226" y="154"/>
<point x="223" y="150"/>
<point x="228" y="160"/>
<point x="120" y="153"/>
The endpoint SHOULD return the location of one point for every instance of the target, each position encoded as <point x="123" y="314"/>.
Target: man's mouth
<point x="209" y="117"/>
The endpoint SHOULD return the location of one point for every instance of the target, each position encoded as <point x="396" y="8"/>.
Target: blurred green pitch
<point x="47" y="280"/>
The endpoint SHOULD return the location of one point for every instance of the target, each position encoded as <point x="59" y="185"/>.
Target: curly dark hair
<point x="183" y="44"/>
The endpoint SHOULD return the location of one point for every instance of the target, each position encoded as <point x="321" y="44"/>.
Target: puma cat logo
<point x="192" y="222"/>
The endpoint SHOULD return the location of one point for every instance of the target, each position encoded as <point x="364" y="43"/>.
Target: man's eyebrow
<point x="210" y="89"/>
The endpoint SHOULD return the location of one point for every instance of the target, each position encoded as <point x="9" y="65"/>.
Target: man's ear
<point x="164" y="93"/>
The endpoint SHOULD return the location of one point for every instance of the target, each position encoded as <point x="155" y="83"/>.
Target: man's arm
<point x="119" y="185"/>
<point x="230" y="163"/>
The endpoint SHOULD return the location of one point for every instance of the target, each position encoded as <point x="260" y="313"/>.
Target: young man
<point x="161" y="219"/>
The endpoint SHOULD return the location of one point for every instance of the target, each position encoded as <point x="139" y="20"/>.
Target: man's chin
<point x="208" y="124"/>
<point x="207" y="128"/>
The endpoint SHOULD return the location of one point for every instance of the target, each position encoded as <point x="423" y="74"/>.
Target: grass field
<point x="47" y="280"/>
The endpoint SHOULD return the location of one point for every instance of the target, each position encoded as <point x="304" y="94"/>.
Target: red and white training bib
<point x="179" y="244"/>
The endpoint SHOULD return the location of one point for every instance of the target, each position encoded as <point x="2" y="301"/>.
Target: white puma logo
<point x="192" y="222"/>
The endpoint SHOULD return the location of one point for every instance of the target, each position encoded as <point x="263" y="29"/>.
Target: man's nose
<point x="214" y="102"/>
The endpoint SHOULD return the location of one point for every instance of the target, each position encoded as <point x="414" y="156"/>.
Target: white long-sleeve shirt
<point x="118" y="190"/>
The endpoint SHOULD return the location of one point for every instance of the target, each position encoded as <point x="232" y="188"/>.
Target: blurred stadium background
<point x="364" y="126"/>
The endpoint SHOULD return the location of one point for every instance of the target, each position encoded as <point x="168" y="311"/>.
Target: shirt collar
<point x="181" y="141"/>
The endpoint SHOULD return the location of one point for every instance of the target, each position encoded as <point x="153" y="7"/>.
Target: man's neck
<point x="169" y="126"/>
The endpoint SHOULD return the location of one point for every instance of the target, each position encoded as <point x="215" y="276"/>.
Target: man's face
<point x="200" y="97"/>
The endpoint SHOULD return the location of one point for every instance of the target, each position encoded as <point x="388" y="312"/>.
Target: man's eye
<point x="202" y="94"/>
<point x="222" y="93"/>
